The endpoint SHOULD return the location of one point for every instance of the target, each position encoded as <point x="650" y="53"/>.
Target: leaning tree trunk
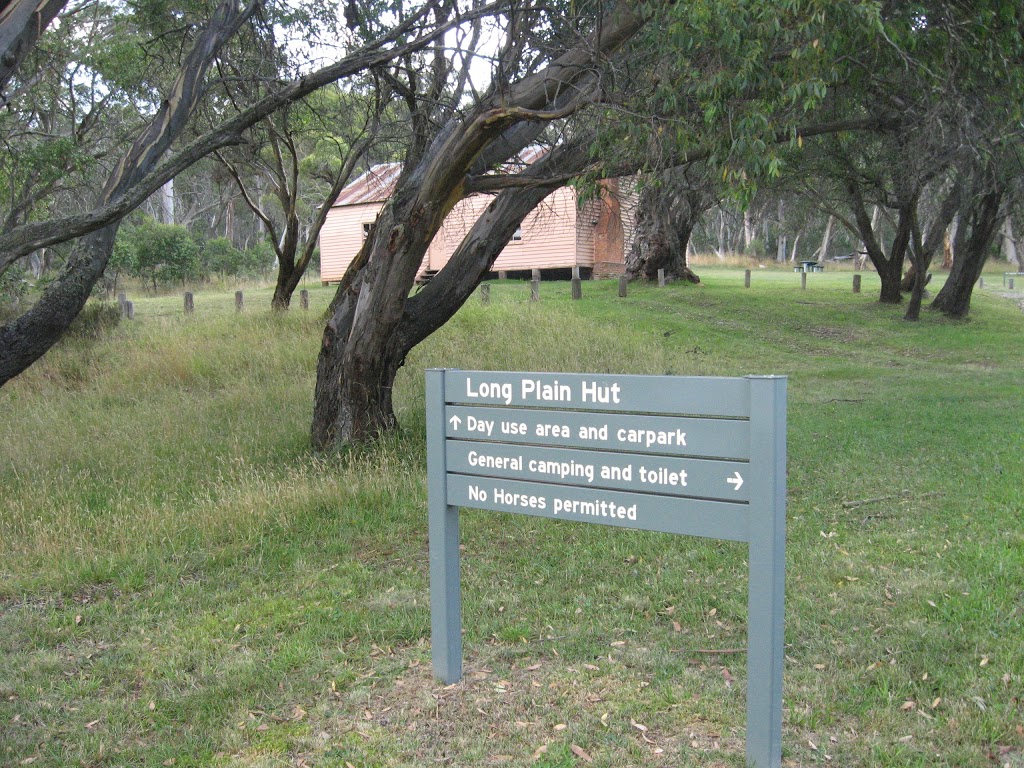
<point x="367" y="334"/>
<point x="954" y="300"/>
<point x="30" y="336"/>
<point x="365" y="344"/>
<point x="25" y="339"/>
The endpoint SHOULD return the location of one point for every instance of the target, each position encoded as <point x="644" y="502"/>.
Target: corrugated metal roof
<point x="377" y="184"/>
<point x="374" y="186"/>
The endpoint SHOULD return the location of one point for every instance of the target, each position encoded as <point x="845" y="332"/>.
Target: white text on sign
<point x="588" y="508"/>
<point x="537" y="391"/>
<point x="645" y="438"/>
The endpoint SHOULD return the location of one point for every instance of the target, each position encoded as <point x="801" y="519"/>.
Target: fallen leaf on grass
<point x="580" y="753"/>
<point x="639" y="726"/>
<point x="90" y="726"/>
<point x="727" y="677"/>
<point x="906" y="706"/>
<point x="262" y="727"/>
<point x="677" y="627"/>
<point x="78" y="622"/>
<point x="561" y="727"/>
<point x="540" y="751"/>
<point x="936" y="702"/>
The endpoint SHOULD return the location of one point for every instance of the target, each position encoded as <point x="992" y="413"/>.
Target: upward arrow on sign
<point x="455" y="421"/>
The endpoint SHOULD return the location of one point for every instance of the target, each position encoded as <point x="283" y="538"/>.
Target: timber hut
<point x="555" y="237"/>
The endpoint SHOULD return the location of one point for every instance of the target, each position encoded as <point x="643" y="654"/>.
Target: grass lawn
<point x="184" y="583"/>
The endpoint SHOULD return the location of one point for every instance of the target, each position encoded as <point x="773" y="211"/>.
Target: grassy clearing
<point x="184" y="583"/>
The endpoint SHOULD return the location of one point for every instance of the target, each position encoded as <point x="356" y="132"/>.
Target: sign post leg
<point x="443" y="529"/>
<point x="767" y="559"/>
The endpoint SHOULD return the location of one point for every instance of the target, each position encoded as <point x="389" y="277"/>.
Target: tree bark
<point x="666" y="216"/>
<point x="926" y="246"/>
<point x="954" y="300"/>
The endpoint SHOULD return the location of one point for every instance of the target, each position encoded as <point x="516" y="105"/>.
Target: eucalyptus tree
<point x="188" y="46"/>
<point x="294" y="164"/>
<point x="646" y="85"/>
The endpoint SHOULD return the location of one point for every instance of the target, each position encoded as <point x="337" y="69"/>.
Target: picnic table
<point x="809" y="266"/>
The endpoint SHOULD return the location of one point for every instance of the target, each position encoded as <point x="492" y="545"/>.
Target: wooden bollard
<point x="485" y="294"/>
<point x="1011" y="283"/>
<point x="746" y="278"/>
<point x="623" y="286"/>
<point x="122" y="299"/>
<point x="981" y="282"/>
<point x="577" y="288"/>
<point x="304" y="299"/>
<point x="856" y="283"/>
<point x="502" y="275"/>
<point x="535" y="290"/>
<point x="129" y="310"/>
<point x="190" y="304"/>
<point x="239" y="301"/>
<point x="535" y="275"/>
<point x="661" y="278"/>
<point x="803" y="280"/>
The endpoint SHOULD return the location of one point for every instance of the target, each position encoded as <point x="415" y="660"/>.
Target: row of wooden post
<point x="577" y="286"/>
<point x="128" y="308"/>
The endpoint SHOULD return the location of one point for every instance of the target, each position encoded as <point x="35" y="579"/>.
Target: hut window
<point x="518" y="234"/>
<point x="367" y="226"/>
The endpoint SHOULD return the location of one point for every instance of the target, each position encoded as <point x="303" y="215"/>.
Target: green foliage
<point x="222" y="257"/>
<point x="257" y="260"/>
<point x="161" y="254"/>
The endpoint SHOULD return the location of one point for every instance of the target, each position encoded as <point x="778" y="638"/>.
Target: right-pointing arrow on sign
<point x="736" y="480"/>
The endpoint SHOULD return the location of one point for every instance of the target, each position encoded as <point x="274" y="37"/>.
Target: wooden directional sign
<point x="687" y="455"/>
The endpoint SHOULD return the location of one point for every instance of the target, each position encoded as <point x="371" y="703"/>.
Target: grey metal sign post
<point x="700" y="456"/>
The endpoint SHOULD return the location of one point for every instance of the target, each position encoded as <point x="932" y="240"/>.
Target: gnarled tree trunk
<point x="667" y="213"/>
<point x="371" y="326"/>
<point x="972" y="249"/>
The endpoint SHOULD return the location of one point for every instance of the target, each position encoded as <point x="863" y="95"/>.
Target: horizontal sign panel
<point x="692" y="517"/>
<point x="718" y="438"/>
<point x="668" y="476"/>
<point x="598" y="392"/>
